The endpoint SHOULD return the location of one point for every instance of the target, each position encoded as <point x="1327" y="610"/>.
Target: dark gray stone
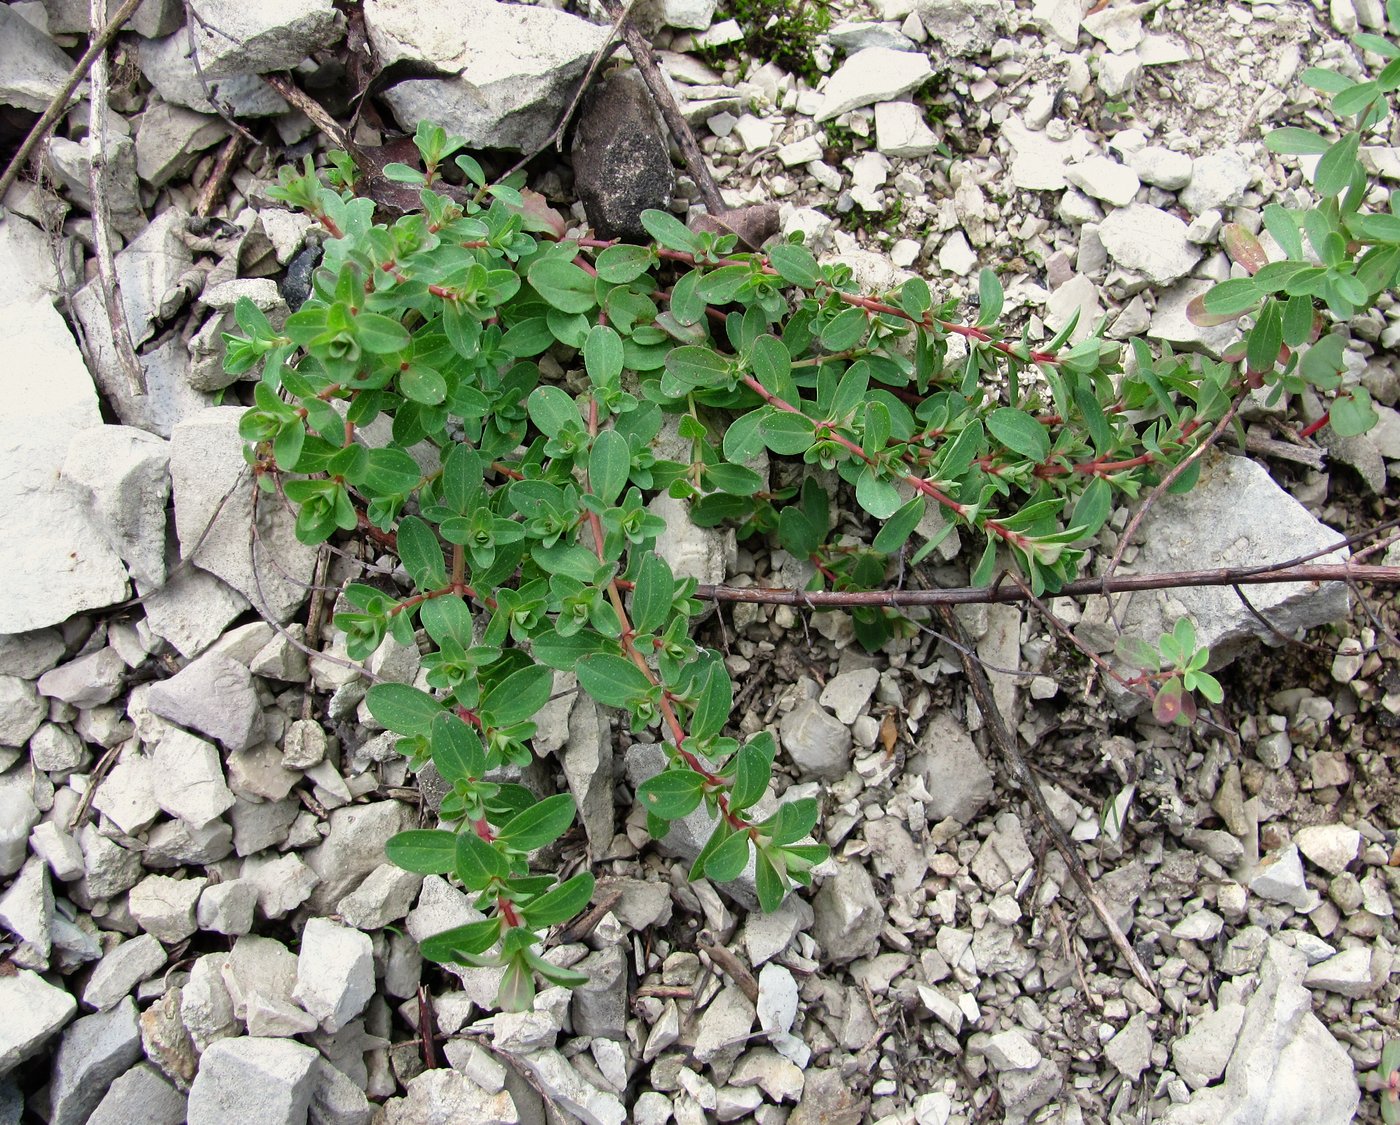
<point x="621" y="162"/>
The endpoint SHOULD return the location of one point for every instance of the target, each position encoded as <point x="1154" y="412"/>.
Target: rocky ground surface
<point x="197" y="918"/>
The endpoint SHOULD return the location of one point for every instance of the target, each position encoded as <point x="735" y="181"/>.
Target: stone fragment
<point x="963" y="28"/>
<point x="1161" y="167"/>
<point x="875" y="74"/>
<point x="900" y="132"/>
<point x="208" y="474"/>
<point x="29" y="655"/>
<point x="253" y="1079"/>
<point x="1347" y="974"/>
<point x="58" y="849"/>
<point x="335" y="973"/>
<point x="234" y="38"/>
<point x="95" y="1051"/>
<point x="21" y="711"/>
<point x="1331" y="847"/>
<point x="953" y="772"/>
<point x="27" y="911"/>
<point x="1199" y="926"/>
<point x="34" y="1012"/>
<point x="1201" y="1055"/>
<point x="283" y="882"/>
<point x="170" y="139"/>
<point x="1104" y="178"/>
<point x="227" y="908"/>
<point x="215" y="696"/>
<point x="1218" y="180"/>
<point x="1150" y="242"/>
<point x="121" y="969"/>
<point x="354" y="847"/>
<point x="122" y="474"/>
<point x="110" y="868"/>
<point x="57" y="564"/>
<point x="33" y="68"/>
<point x="1286" y="1068"/>
<point x="56" y="749"/>
<point x="164" y="907"/>
<point x="335" y="1099"/>
<point x="818" y="744"/>
<point x="599" y="1008"/>
<point x="192" y="610"/>
<point x="848" y="692"/>
<point x="1130" y="1051"/>
<point x="621" y="163"/>
<point x="206" y="1008"/>
<point x="192" y="785"/>
<point x="384" y="897"/>
<point x="829" y="1098"/>
<point x="260" y="974"/>
<point x="142" y="1095"/>
<point x="508" y="66"/>
<point x="587" y="759"/>
<point x="1011" y="1050"/>
<point x="88" y="681"/>
<point x="848" y="915"/>
<point x="1279" y="878"/>
<point x="690" y="551"/>
<point x="126" y="796"/>
<point x="446" y="1095"/>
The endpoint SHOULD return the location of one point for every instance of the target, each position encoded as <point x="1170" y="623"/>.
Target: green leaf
<point x="715" y="702"/>
<point x="560" y="904"/>
<point x="670" y="232"/>
<point x="698" y="367"/>
<point x="845" y="330"/>
<point x="652" y="594"/>
<point x="424" y="851"/>
<point x="602" y="355"/>
<point x="728" y="861"/>
<point x="786" y="433"/>
<point x="477" y="862"/>
<point x="612" y="680"/>
<point x="518" y="696"/>
<point x="563" y="285"/>
<point x="418" y="383"/>
<point x="461" y="943"/>
<point x="1280" y="223"/>
<point x="447" y="619"/>
<point x="795" y="820"/>
<point x="517" y="991"/>
<point x="421" y="553"/>
<point x="609" y="463"/>
<point x="769" y="883"/>
<point x="540" y="824"/>
<point x="1297" y="321"/>
<point x="1338" y="165"/>
<point x="795" y="264"/>
<point x="876" y="496"/>
<point x="772" y="366"/>
<point x="1352" y="413"/>
<point x="380" y="334"/>
<point x="1020" y="433"/>
<point x="552" y="409"/>
<point x="563" y="653"/>
<point x="1092" y="509"/>
<point x="402" y="709"/>
<point x="990" y="298"/>
<point x="895" y="532"/>
<point x="623" y="263"/>
<point x="753" y="766"/>
<point x="457" y="751"/>
<point x="744" y="439"/>
<point x="671" y="794"/>
<point x="982" y="575"/>
<point x="1237" y="295"/>
<point x="1295" y="142"/>
<point x="1265" y="339"/>
<point x="390" y="472"/>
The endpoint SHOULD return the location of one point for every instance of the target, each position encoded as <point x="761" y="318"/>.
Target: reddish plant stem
<point x="1312" y="427"/>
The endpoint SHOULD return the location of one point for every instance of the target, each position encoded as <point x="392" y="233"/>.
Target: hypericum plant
<point x="1174" y="670"/>
<point x="531" y="546"/>
<point x="1350" y="257"/>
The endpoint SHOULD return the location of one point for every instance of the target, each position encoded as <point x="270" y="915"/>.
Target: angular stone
<point x="512" y="64"/>
<point x="963" y="27"/>
<point x="335" y="973"/>
<point x="955" y="776"/>
<point x="1104" y="178"/>
<point x="384" y="897"/>
<point x="876" y="74"/>
<point x="587" y="759"/>
<point x="227" y="908"/>
<point x="900" y="131"/>
<point x="192" y="785"/>
<point x="817" y="743"/>
<point x="215" y="696"/>
<point x="123" y="476"/>
<point x="206" y="1008"/>
<point x="121" y="969"/>
<point x="110" y="868"/>
<point x="126" y="796"/>
<point x="283" y="882"/>
<point x="1347" y="974"/>
<point x="21" y="711"/>
<point x="206" y="467"/>
<point x="260" y="974"/>
<point x="164" y="907"/>
<point x="1011" y="1050"/>
<point x="1218" y="180"/>
<point x="192" y="610"/>
<point x="57" y="564"/>
<point x="88" y="681"/>
<point x="1331" y="847"/>
<point x="35" y="1010"/>
<point x="354" y="847"/>
<point x="1150" y="242"/>
<point x="33" y="68"/>
<point x="253" y="1079"/>
<point x="142" y="1095"/>
<point x="621" y="163"/>
<point x="600" y="1007"/>
<point x="1200" y="1056"/>
<point x="448" y="1095"/>
<point x="235" y="38"/>
<point x="1130" y="1051"/>
<point x="690" y="551"/>
<point x="170" y="139"/>
<point x="849" y="916"/>
<point x="568" y="1089"/>
<point x="94" y="1052"/>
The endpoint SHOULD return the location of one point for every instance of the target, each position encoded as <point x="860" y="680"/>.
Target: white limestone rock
<point x="269" y="1081"/>
<point x="335" y="973"/>
<point x="1150" y="242"/>
<point x="123" y="476"/>
<point x="876" y="74"/>
<point x="164" y="907"/>
<point x="192" y="785"/>
<point x="33" y="68"/>
<point x="35" y="1011"/>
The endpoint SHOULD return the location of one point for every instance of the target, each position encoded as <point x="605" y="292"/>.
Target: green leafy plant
<point x="1386" y="1081"/>
<point x="1342" y="253"/>
<point x="784" y="31"/>
<point x="556" y="385"/>
<point x="1174" y="670"/>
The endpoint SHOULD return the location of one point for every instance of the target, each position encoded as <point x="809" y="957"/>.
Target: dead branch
<point x="59" y="105"/>
<point x="1005" y="741"/>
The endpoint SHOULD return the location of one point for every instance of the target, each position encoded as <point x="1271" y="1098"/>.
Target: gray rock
<point x="151" y="18"/>
<point x="953" y="772"/>
<point x="1161" y="167"/>
<point x="33" y="68"/>
<point x="253" y="1079"/>
<point x="21" y="711"/>
<point x="126" y="796"/>
<point x="192" y="785"/>
<point x="1201" y="1055"/>
<point x="1130" y="1051"/>
<point x="900" y="131"/>
<point x="56" y="749"/>
<point x="599" y="1007"/>
<point x="1218" y="180"/>
<point x="26" y="910"/>
<point x="34" y="1012"/>
<point x="88" y="681"/>
<point x="1150" y="242"/>
<point x="206" y="465"/>
<point x="354" y="847"/>
<point x="29" y="655"/>
<point x="1172" y="324"/>
<point x="30" y="271"/>
<point x="1004" y="856"/>
<point x="690" y="551"/>
<point x="18" y="814"/>
<point x="335" y="973"/>
<point x="283" y="882"/>
<point x="1279" y="878"/>
<point x="335" y="1100"/>
<point x="848" y="692"/>
<point x="164" y="907"/>
<point x="587" y="759"/>
<point x="213" y="695"/>
<point x="94" y="1052"/>
<point x="170" y="139"/>
<point x="448" y="1095"/>
<point x="817" y="743"/>
<point x="513" y="66"/>
<point x="963" y="27"/>
<point x="1011" y="1050"/>
<point x="123" y="475"/>
<point x="260" y="974"/>
<point x="110" y="868"/>
<point x="168" y="64"/>
<point x="235" y="39"/>
<point x="141" y="1094"/>
<point x="173" y="843"/>
<point x="384" y="897"/>
<point x="121" y="969"/>
<point x="57" y="849"/>
<point x="1347" y="974"/>
<point x="622" y="165"/>
<point x="1286" y="1068"/>
<point x="57" y="564"/>
<point x="876" y="74"/>
<point x="848" y="915"/>
<point x="1331" y="847"/>
<point x="227" y="908"/>
<point x="192" y="610"/>
<point x="206" y="1008"/>
<point x="1104" y="178"/>
<point x="1025" y="1091"/>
